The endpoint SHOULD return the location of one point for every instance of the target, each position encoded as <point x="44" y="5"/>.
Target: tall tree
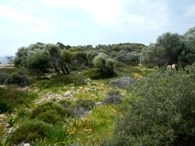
<point x="58" y="63"/>
<point x="172" y="44"/>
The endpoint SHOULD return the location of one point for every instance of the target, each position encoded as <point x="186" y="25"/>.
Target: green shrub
<point x="113" y="97"/>
<point x="38" y="59"/>
<point x="50" y="116"/>
<point x="162" y="114"/>
<point x="58" y="133"/>
<point x="19" y="79"/>
<point x="93" y="73"/>
<point x="11" y="98"/>
<point x="23" y="113"/>
<point x="81" y="106"/>
<point x="105" y="65"/>
<point x="29" y="131"/>
<point x="3" y="77"/>
<point x="47" y="110"/>
<point x="65" y="103"/>
<point x="90" y="56"/>
<point x="61" y="80"/>
<point x="4" y="107"/>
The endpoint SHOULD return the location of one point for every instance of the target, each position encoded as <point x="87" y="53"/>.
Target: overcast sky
<point x="83" y="22"/>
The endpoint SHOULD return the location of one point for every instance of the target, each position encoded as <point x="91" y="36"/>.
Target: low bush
<point x="50" y="116"/>
<point x="113" y="97"/>
<point x="93" y="73"/>
<point x="52" y="113"/>
<point x="3" y="77"/>
<point x="11" y="98"/>
<point x="105" y="65"/>
<point x="61" y="80"/>
<point x="162" y="114"/>
<point x="58" y="133"/>
<point x="65" y="103"/>
<point x="123" y="82"/>
<point x="81" y="106"/>
<point x="4" y="107"/>
<point x="29" y="131"/>
<point x="19" y="79"/>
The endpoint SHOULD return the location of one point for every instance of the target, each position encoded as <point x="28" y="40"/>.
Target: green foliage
<point x="86" y="103"/>
<point x="79" y="58"/>
<point x="4" y="107"/>
<point x="61" y="80"/>
<point x="50" y="116"/>
<point x="166" y="50"/>
<point x="58" y="133"/>
<point x="50" y="112"/>
<point x="18" y="78"/>
<point x="23" y="113"/>
<point x="90" y="56"/>
<point x="172" y="44"/>
<point x="3" y="77"/>
<point x="11" y="120"/>
<point x="100" y="60"/>
<point x="105" y="65"/>
<point x="187" y="57"/>
<point x="12" y="98"/>
<point x="38" y="59"/>
<point x="29" y="131"/>
<point x="81" y="106"/>
<point x="66" y="56"/>
<point x="56" y="57"/>
<point x="81" y="126"/>
<point x="65" y="103"/>
<point x="93" y="73"/>
<point x="171" y="48"/>
<point x="113" y="97"/>
<point x="21" y="56"/>
<point x="131" y="58"/>
<point x="163" y="115"/>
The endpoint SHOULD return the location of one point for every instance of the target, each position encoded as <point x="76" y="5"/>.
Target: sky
<point x="84" y="22"/>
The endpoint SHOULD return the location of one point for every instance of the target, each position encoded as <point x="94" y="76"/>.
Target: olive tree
<point x="166" y="50"/>
<point x="105" y="64"/>
<point x="158" y="112"/>
<point x="57" y="60"/>
<point x="187" y="55"/>
<point x="40" y="57"/>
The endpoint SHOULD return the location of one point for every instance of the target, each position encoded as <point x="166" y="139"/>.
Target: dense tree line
<point x="171" y="48"/>
<point x="64" y="59"/>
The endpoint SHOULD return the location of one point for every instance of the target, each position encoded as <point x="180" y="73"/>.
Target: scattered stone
<point x="25" y="89"/>
<point x="88" y="81"/>
<point x="58" y="98"/>
<point x="2" y="86"/>
<point x="49" y="93"/>
<point x="98" y="103"/>
<point x="123" y="82"/>
<point x="27" y="144"/>
<point x="67" y="94"/>
<point x="24" y="144"/>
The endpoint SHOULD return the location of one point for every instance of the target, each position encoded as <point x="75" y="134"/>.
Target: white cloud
<point x="21" y="22"/>
<point x="102" y="11"/>
<point x="12" y="14"/>
<point x="121" y="14"/>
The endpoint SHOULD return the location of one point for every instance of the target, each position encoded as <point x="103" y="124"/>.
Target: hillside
<point x="108" y="95"/>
